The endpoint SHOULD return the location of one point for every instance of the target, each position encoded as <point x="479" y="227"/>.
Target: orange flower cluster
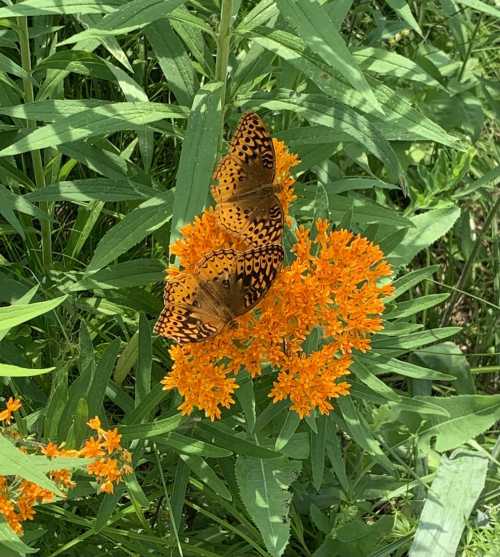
<point x="332" y="286"/>
<point x="19" y="496"/>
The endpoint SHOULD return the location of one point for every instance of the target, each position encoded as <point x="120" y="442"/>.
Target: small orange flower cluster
<point x="19" y="496"/>
<point x="332" y="286"/>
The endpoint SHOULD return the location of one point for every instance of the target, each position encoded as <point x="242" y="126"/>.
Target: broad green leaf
<point x="152" y="429"/>
<point x="190" y="446"/>
<point x="222" y="438"/>
<point x="384" y="62"/>
<point x="51" y="110"/>
<point x="93" y="189"/>
<point x="173" y="60"/>
<point x="136" y="272"/>
<point x="139" y="223"/>
<point x="480" y="6"/>
<point x="408" y="281"/>
<point x="131" y="15"/>
<point x="288" y="429"/>
<point x="11" y="316"/>
<point x="11" y="544"/>
<point x="264" y="490"/>
<point x="199" y="466"/>
<point x="34" y="468"/>
<point x="403" y="10"/>
<point x="448" y="356"/>
<point x="9" y="370"/>
<point x="320" y="34"/>
<point x="58" y="7"/>
<point x="413" y="340"/>
<point x="76" y="61"/>
<point x="318" y="452"/>
<point x="411" y="307"/>
<point x="409" y="370"/>
<point x="470" y="415"/>
<point x="198" y="155"/>
<point x="400" y="122"/>
<point x="102" y="120"/>
<point x="103" y="373"/>
<point x="360" y="432"/>
<point x="428" y="227"/>
<point x="260" y="14"/>
<point x="144" y="361"/>
<point x="453" y="493"/>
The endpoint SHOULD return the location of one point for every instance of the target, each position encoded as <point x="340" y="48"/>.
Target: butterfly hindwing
<point x="188" y="315"/>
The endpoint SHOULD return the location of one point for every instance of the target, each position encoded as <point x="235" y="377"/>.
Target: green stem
<point x="468" y="265"/>
<point x="36" y="157"/>
<point x="223" y="48"/>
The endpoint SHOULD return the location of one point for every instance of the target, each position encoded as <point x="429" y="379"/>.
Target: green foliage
<point x="112" y="116"/>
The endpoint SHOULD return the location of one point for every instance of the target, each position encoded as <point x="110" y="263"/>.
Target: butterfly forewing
<point x="253" y="146"/>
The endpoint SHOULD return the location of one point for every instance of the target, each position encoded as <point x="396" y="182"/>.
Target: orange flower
<point x="92" y="448"/>
<point x="331" y="287"/>
<point x="112" y="440"/>
<point x="94" y="423"/>
<point x="13" y="404"/>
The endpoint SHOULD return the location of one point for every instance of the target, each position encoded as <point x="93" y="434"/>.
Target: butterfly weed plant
<point x="349" y="406"/>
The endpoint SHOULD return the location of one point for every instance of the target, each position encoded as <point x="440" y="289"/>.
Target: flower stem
<point x="223" y="48"/>
<point x="36" y="157"/>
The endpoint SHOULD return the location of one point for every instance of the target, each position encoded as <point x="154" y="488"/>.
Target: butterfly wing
<point x="239" y="280"/>
<point x="188" y="315"/>
<point x="256" y="270"/>
<point x="258" y="219"/>
<point x="250" y="163"/>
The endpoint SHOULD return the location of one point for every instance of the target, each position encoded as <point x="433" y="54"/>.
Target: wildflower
<point x="13" y="404"/>
<point x="94" y="423"/>
<point x="332" y="286"/>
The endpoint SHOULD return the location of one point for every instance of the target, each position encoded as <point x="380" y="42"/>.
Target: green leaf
<point x="58" y="7"/>
<point x="15" y="462"/>
<point x="199" y="466"/>
<point x="11" y="316"/>
<point x="9" y="370"/>
<point x="173" y="60"/>
<point x="408" y="281"/>
<point x="453" y="493"/>
<point x="190" y="446"/>
<point x="469" y="416"/>
<point x="480" y="6"/>
<point x="288" y="429"/>
<point x="411" y="307"/>
<point x="227" y="440"/>
<point x="320" y="34"/>
<point x="152" y="429"/>
<point x="198" y="157"/>
<point x="428" y="227"/>
<point x="10" y="543"/>
<point x="408" y="369"/>
<point x="263" y="486"/>
<point x="102" y="120"/>
<point x="403" y="10"/>
<point x="139" y="223"/>
<point x="136" y="272"/>
<point x="413" y="340"/>
<point x="448" y="356"/>
<point x="130" y="16"/>
<point x="318" y="452"/>
<point x="93" y="189"/>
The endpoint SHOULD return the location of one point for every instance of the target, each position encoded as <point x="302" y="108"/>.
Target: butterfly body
<point x="225" y="284"/>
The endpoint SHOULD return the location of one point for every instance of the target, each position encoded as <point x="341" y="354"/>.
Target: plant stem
<point x="36" y="157"/>
<point x="223" y="48"/>
<point x="468" y="265"/>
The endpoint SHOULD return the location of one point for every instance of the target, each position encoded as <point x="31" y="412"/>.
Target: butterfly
<point x="246" y="202"/>
<point x="224" y="284"/>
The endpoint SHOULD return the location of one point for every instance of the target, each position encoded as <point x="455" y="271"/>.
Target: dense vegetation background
<point x="111" y="114"/>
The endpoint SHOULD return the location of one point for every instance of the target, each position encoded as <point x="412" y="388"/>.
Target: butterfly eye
<point x="225" y="283"/>
<point x="195" y="304"/>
